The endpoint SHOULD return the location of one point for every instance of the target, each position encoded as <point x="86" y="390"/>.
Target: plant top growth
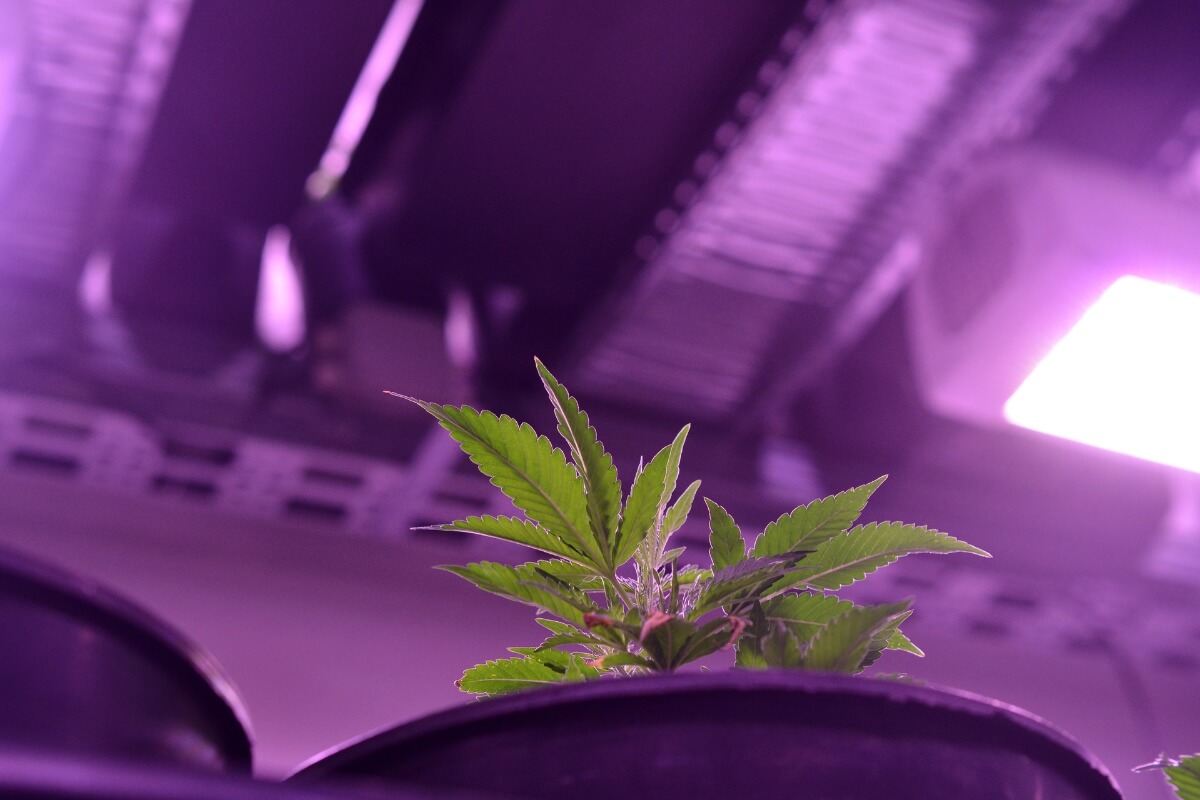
<point x="611" y="591"/>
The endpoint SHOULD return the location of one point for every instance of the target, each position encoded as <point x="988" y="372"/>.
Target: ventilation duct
<point x="82" y="106"/>
<point x="777" y="260"/>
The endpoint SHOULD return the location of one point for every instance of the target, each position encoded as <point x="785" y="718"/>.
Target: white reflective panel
<point x="1125" y="378"/>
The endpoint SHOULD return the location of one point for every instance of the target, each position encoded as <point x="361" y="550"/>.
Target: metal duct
<point x="90" y="83"/>
<point x="781" y="258"/>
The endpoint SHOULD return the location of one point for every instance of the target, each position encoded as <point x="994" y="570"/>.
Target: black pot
<point x="86" y="673"/>
<point x="757" y="735"/>
<point x="25" y="776"/>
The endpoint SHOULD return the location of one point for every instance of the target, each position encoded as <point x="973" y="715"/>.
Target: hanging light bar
<point x="350" y="127"/>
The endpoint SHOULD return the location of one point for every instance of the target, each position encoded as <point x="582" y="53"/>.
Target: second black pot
<point x="85" y="673"/>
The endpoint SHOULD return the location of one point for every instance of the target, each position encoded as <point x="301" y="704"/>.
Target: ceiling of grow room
<point x="692" y="210"/>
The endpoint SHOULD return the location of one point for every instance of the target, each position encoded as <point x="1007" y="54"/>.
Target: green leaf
<point x="670" y="556"/>
<point x="577" y="577"/>
<point x="641" y="509"/>
<point x="520" y="531"/>
<point x="804" y="614"/>
<point x="749" y="647"/>
<point x="525" y="584"/>
<point x="725" y="542"/>
<point x="901" y="642"/>
<point x="692" y="574"/>
<point x="741" y="582"/>
<point x="664" y="642"/>
<point x="819" y="521"/>
<point x="780" y="648"/>
<point x="671" y="473"/>
<point x="883" y="639"/>
<point x="595" y="465"/>
<point x="554" y="626"/>
<point x="507" y="675"/>
<point x="1184" y="775"/>
<point x="570" y="665"/>
<point x="845" y="641"/>
<point x="677" y="514"/>
<point x="710" y="637"/>
<point x="529" y="470"/>
<point x="577" y="670"/>
<point x="556" y="660"/>
<point x="560" y="639"/>
<point x="749" y="657"/>
<point x="850" y="557"/>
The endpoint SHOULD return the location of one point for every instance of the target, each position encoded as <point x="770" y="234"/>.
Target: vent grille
<point x="809" y="189"/>
<point x="246" y="475"/>
<point x="86" y="97"/>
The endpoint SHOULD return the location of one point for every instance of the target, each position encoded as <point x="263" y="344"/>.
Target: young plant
<point x="611" y="591"/>
<point x="1182" y="773"/>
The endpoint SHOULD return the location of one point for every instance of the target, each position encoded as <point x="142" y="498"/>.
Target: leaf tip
<point x="973" y="550"/>
<point x="544" y="371"/>
<point x="875" y="484"/>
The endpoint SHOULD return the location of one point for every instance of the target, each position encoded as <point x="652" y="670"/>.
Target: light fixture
<point x="279" y="304"/>
<point x="390" y="43"/>
<point x="1063" y="296"/>
<point x="13" y="25"/>
<point x="1125" y="378"/>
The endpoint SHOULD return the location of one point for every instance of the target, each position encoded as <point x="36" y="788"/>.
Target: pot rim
<point x="899" y="692"/>
<point x="93" y="604"/>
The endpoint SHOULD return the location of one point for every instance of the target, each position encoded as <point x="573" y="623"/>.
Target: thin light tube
<point x="361" y="105"/>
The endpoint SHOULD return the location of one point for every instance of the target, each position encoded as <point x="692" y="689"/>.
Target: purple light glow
<point x="1125" y="378"/>
<point x="279" y="308"/>
<point x="12" y="45"/>
<point x="95" y="284"/>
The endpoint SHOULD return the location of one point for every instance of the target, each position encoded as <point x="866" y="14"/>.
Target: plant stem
<point x="626" y="600"/>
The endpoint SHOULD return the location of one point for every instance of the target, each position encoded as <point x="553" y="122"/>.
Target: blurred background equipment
<point x="1061" y="295"/>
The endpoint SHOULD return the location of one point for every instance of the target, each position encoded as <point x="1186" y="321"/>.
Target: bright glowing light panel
<point x="1125" y="378"/>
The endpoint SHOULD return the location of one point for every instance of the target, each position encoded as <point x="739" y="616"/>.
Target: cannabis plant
<point x="611" y="590"/>
<point x="1182" y="773"/>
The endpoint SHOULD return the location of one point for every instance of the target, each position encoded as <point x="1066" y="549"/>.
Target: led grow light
<point x="1125" y="378"/>
<point x="1031" y="241"/>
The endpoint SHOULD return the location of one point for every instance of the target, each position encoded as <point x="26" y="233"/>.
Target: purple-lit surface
<point x="1125" y="378"/>
<point x="279" y="308"/>
<point x="12" y="35"/>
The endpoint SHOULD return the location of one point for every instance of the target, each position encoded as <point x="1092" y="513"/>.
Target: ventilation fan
<point x="1064" y="296"/>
